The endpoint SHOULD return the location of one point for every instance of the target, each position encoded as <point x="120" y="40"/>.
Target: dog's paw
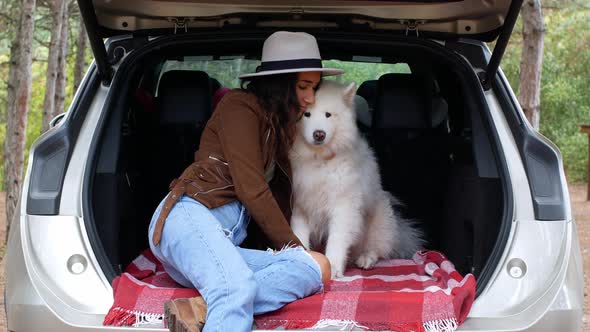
<point x="337" y="273"/>
<point x="366" y="260"/>
<point x="337" y="263"/>
<point x="337" y="270"/>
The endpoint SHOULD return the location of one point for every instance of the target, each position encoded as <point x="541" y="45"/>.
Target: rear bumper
<point x="32" y="306"/>
<point x="27" y="311"/>
<point x="561" y="306"/>
<point x="37" y="317"/>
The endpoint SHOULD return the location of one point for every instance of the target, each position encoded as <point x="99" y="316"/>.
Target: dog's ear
<point x="349" y="93"/>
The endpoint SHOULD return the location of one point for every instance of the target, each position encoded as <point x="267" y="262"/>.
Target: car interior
<point x="430" y="138"/>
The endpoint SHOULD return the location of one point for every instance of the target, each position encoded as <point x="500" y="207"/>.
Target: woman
<point x="197" y="229"/>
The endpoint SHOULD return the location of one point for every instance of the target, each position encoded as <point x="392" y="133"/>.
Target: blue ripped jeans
<point x="200" y="248"/>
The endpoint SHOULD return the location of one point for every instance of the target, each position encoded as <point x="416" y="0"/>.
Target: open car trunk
<point x="446" y="170"/>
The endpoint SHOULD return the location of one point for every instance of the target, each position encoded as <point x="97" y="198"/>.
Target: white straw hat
<point x="291" y="52"/>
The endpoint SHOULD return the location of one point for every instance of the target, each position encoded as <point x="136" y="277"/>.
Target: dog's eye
<point x="328" y="114"/>
<point x="307" y="114"/>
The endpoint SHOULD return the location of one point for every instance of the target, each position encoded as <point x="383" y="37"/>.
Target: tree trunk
<point x="60" y="82"/>
<point x="80" y="65"/>
<point x="529" y="95"/>
<point x="19" y="94"/>
<point x="56" y="9"/>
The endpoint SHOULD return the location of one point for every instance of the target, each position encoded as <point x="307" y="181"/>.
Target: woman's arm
<point x="240" y="137"/>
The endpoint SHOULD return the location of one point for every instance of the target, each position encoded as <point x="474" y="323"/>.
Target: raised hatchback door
<point x="440" y="19"/>
<point x="470" y="18"/>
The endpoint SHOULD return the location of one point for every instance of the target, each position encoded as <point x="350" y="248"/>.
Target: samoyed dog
<point x="339" y="205"/>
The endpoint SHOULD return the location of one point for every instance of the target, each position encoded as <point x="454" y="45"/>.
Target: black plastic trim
<point x="542" y="161"/>
<point x="481" y="110"/>
<point x="472" y="50"/>
<point x="96" y="43"/>
<point x="51" y="154"/>
<point x="47" y="174"/>
<point x="475" y="53"/>
<point x="501" y="44"/>
<point x="111" y="107"/>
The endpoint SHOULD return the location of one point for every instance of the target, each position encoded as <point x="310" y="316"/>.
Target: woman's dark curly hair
<point x="277" y="96"/>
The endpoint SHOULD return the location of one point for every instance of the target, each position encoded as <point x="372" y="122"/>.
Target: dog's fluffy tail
<point x="409" y="236"/>
<point x="410" y="239"/>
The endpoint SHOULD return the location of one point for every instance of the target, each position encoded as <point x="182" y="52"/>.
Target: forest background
<point x="565" y="80"/>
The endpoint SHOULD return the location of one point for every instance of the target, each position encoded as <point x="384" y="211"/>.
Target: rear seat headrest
<point x="368" y="90"/>
<point x="184" y="97"/>
<point x="408" y="101"/>
<point x="363" y="114"/>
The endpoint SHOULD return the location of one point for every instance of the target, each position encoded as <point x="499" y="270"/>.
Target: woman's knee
<point x="324" y="264"/>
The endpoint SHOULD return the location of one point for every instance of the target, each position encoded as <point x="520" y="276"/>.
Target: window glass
<point x="227" y="71"/>
<point x="363" y="71"/>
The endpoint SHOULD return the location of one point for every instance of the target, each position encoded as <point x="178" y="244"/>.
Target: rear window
<point x="356" y="71"/>
<point x="227" y="70"/>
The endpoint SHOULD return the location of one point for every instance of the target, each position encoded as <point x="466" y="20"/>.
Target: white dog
<point x="338" y="199"/>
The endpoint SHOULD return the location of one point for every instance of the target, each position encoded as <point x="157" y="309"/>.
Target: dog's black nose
<point x="319" y="135"/>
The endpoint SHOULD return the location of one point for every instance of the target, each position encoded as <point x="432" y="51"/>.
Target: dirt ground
<point x="581" y="210"/>
<point x="582" y="214"/>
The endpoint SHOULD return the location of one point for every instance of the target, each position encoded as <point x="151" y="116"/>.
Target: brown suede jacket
<point x="236" y="147"/>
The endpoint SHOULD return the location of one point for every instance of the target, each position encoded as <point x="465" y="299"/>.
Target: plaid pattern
<point x="422" y="294"/>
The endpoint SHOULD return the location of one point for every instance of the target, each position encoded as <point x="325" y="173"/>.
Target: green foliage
<point x="565" y="101"/>
<point x="34" y="120"/>
<point x="225" y="71"/>
<point x="360" y="72"/>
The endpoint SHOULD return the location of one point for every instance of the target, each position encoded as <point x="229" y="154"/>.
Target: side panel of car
<point x="541" y="158"/>
<point x="52" y="152"/>
<point x="531" y="272"/>
<point x="50" y="262"/>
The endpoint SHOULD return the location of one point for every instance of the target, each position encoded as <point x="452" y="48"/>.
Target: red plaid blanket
<point x="423" y="294"/>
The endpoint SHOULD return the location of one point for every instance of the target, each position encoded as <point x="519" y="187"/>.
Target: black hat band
<point x="290" y="64"/>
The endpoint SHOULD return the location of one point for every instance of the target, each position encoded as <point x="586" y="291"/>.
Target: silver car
<point x="451" y="139"/>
